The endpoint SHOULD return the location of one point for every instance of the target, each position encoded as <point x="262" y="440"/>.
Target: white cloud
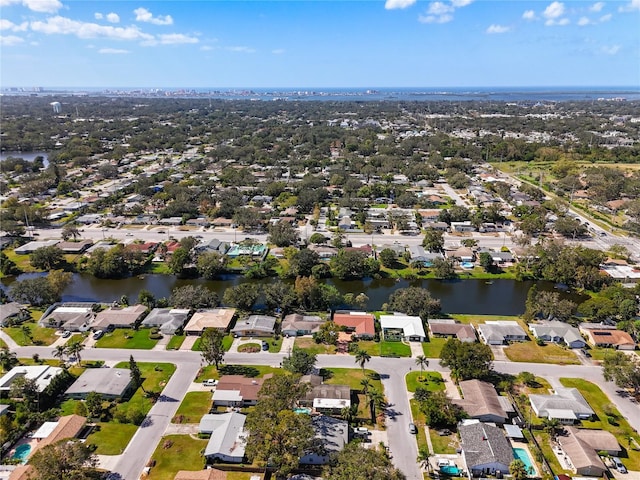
<point x="14" y="27"/>
<point x="461" y="3"/>
<point x="10" y="40"/>
<point x="438" y="12"/>
<point x="206" y="48"/>
<point x="113" y="17"/>
<point x="498" y="29"/>
<point x="584" y="21"/>
<point x="113" y="51"/>
<point x="529" y="15"/>
<point x="606" y="18"/>
<point x="278" y="51"/>
<point x="439" y="8"/>
<point x="610" y="49"/>
<point x="398" y="4"/>
<point x="435" y="19"/>
<point x="98" y="16"/>
<point x="240" y="49"/>
<point x="43" y="6"/>
<point x="554" y="10"/>
<point x="144" y="15"/>
<point x="170" y="39"/>
<point x="630" y="7"/>
<point x="596" y="7"/>
<point x="65" y="26"/>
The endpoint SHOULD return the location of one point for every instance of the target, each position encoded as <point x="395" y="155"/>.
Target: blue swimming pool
<point x="22" y="452"/>
<point x="304" y="410"/>
<point x="467" y="265"/>
<point x="450" y="470"/>
<point x="523" y="455"/>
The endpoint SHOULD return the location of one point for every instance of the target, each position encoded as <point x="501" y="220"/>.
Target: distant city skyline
<point x="319" y="44"/>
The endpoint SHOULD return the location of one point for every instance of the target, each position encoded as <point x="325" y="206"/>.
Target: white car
<point x="361" y="431"/>
<point x="210" y="382"/>
<point x="97" y="334"/>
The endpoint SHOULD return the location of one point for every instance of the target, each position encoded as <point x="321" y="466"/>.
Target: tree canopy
<point x="466" y="360"/>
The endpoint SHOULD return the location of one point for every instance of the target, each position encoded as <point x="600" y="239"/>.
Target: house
<point x="12" y="311"/>
<point x="66" y="427"/>
<point x="237" y="391"/>
<point x="217" y="318"/>
<point x="73" y="317"/>
<point x="582" y="447"/>
<point x="402" y="327"/>
<point x="463" y="254"/>
<point x="297" y="324"/>
<point x="119" y="317"/>
<point x="213" y="245"/>
<point x="500" y="332"/>
<point x="207" y="474"/>
<point x="31" y="247"/>
<point x="482" y="402"/>
<point x="323" y="251"/>
<point x="325" y="398"/>
<point x="41" y="374"/>
<point x="111" y="383"/>
<point x="144" y="248"/>
<point x="558" y="332"/>
<point x="255" y="326"/>
<point x="462" y="227"/>
<point x="169" y="320"/>
<point x="565" y="404"/>
<point x="607" y="336"/>
<point x="360" y="324"/>
<point x="74" y="247"/>
<point x="227" y="441"/>
<point x="485" y="449"/>
<point x="331" y="435"/>
<point x="419" y="254"/>
<point x="446" y="328"/>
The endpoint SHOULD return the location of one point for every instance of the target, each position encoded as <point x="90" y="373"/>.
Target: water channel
<point x="495" y="297"/>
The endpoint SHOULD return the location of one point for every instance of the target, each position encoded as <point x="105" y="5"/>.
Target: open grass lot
<point x="385" y="349"/>
<point x="156" y="376"/>
<point x="38" y="336"/>
<point x="432" y="381"/>
<point x="175" y="342"/>
<point x="351" y="377"/>
<point x="183" y="453"/>
<point x="126" y="338"/>
<point x="477" y="319"/>
<point x="22" y="261"/>
<point x="446" y="444"/>
<point x="111" y="438"/>
<point x="308" y="344"/>
<point x="227" y="341"/>
<point x="433" y="347"/>
<point x="193" y="407"/>
<point x="604" y="408"/>
<point x="210" y="371"/>
<point x="548" y="353"/>
<point x="419" y="421"/>
<point x="598" y="354"/>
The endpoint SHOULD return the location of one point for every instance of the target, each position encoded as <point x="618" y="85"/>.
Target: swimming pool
<point x="450" y="470"/>
<point x="467" y="265"/>
<point x="22" y="452"/>
<point x="302" y="410"/>
<point x="523" y="455"/>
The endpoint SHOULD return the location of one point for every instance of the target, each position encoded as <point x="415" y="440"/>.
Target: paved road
<point x="392" y="371"/>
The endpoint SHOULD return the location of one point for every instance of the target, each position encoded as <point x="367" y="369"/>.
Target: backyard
<point x="126" y="338"/>
<point x="384" y="349"/>
<point x="177" y="452"/>
<point x="111" y="438"/>
<point x="193" y="407"/>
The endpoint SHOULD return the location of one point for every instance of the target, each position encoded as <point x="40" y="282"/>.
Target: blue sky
<point x="319" y="43"/>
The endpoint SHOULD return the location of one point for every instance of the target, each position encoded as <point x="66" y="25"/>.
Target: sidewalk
<point x="163" y="342"/>
<point x="8" y="340"/>
<point x="287" y="344"/>
<point x="450" y="388"/>
<point x="416" y="349"/>
<point x="188" y="342"/>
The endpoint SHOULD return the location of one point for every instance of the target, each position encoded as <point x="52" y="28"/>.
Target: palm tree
<point x="349" y="413"/>
<point x="74" y="349"/>
<point x="362" y="357"/>
<point x="376" y="401"/>
<point x="423" y="457"/>
<point x="8" y="359"/>
<point x="26" y="332"/>
<point x="422" y="362"/>
<point x="59" y="352"/>
<point x="366" y="384"/>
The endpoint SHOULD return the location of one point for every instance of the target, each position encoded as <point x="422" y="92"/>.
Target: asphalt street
<point x="392" y="371"/>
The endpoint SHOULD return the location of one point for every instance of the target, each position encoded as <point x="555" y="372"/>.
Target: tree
<point x="135" y="374"/>
<point x="376" y="402"/>
<point x="327" y="333"/>
<point x="70" y="230"/>
<point x="146" y="298"/>
<point x="413" y="301"/>
<point x="466" y="360"/>
<point x="211" y="264"/>
<point x="444" y="269"/>
<point x="362" y="357"/>
<point x="317" y="239"/>
<point x="424" y="456"/>
<point x="179" y="261"/>
<point x="302" y="263"/>
<point x="7" y="266"/>
<point x="349" y="264"/>
<point x="422" y="362"/>
<point x="59" y="352"/>
<point x="623" y="370"/>
<point x="279" y="295"/>
<point x="518" y="470"/>
<point x="34" y="291"/>
<point x="8" y="359"/>
<point x="65" y="460"/>
<point x="243" y="296"/>
<point x="300" y="361"/>
<point x="433" y="240"/>
<point x="212" y="346"/>
<point x="388" y="258"/>
<point x="486" y="261"/>
<point x="74" y="349"/>
<point x="47" y="258"/>
<point x="193" y="296"/>
<point x="438" y="409"/>
<point x="27" y="390"/>
<point x="93" y="402"/>
<point x="355" y="462"/>
<point x="26" y="333"/>
<point x="283" y="234"/>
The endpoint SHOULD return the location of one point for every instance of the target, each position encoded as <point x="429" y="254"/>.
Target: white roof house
<point x="558" y="332"/>
<point x="500" y="332"/>
<point x="411" y="327"/>
<point x="565" y="404"/>
<point x="41" y="374"/>
<point x="227" y="442"/>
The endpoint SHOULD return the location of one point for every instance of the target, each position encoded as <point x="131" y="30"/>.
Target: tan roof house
<point x="443" y="327"/>
<point x="119" y="317"/>
<point x="208" y="474"/>
<point x="581" y="446"/>
<point x="611" y="339"/>
<point x="68" y="427"/>
<point x="237" y="390"/>
<point x="359" y="324"/>
<point x="481" y="401"/>
<point x="218" y="318"/>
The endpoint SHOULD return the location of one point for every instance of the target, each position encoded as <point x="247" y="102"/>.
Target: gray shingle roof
<point x="484" y="444"/>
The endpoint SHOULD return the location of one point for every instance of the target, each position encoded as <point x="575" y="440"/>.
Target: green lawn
<point x="275" y="345"/>
<point x="227" y="341"/>
<point x="156" y="376"/>
<point x="603" y="407"/>
<point x="419" y="421"/>
<point x="432" y="381"/>
<point x="477" y="319"/>
<point x="385" y="349"/>
<point x="193" y="407"/>
<point x="38" y="336"/>
<point x="177" y="452"/>
<point x="446" y="444"/>
<point x="22" y="261"/>
<point x="2" y="344"/>
<point x="111" y="438"/>
<point x="175" y="342"/>
<point x="351" y="377"/>
<point x="126" y="338"/>
<point x="250" y="348"/>
<point x="433" y="347"/>
<point x="599" y="353"/>
<point x="254" y="371"/>
<point x="548" y="353"/>
<point x="309" y="345"/>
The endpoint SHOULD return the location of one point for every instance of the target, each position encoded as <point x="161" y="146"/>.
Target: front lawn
<point x="433" y="347"/>
<point x="126" y="338"/>
<point x="432" y="381"/>
<point x="275" y="344"/>
<point x="37" y="335"/>
<point x="111" y="438"/>
<point x="419" y="421"/>
<point x="445" y="444"/>
<point x="533" y="353"/>
<point x="351" y="377"/>
<point x="227" y="341"/>
<point x="310" y="345"/>
<point x="177" y="452"/>
<point x="384" y="349"/>
<point x="193" y="407"/>
<point x="155" y="377"/>
<point x="608" y="418"/>
<point x="175" y="342"/>
<point x="253" y="371"/>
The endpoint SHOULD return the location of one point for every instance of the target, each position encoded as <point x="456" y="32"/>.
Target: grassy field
<point x="111" y="438"/>
<point x="156" y="376"/>
<point x="309" y="345"/>
<point x="433" y="347"/>
<point x="38" y="336"/>
<point x="351" y="377"/>
<point x="177" y="452"/>
<point x="478" y="319"/>
<point x="257" y="371"/>
<point x="605" y="410"/>
<point x="126" y="338"/>
<point x="446" y="444"/>
<point x="22" y="261"/>
<point x="175" y="342"/>
<point x="548" y="353"/>
<point x="2" y="344"/>
<point x="193" y="407"/>
<point x="432" y="381"/>
<point x="385" y="349"/>
<point x="419" y="421"/>
<point x="227" y="341"/>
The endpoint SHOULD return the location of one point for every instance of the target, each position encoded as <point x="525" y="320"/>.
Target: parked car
<point x="97" y="334"/>
<point x="619" y="465"/>
<point x="265" y="346"/>
<point x="66" y="334"/>
<point x="361" y="431"/>
<point x="210" y="382"/>
<point x="412" y="428"/>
